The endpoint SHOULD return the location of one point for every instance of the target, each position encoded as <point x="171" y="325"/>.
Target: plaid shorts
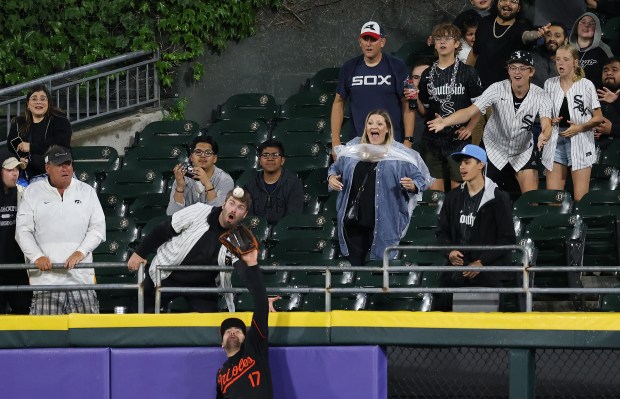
<point x="64" y="302"/>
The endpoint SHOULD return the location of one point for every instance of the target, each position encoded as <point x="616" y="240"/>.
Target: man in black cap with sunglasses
<point x="246" y="374"/>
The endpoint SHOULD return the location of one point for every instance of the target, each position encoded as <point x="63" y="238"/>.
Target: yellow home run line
<point x="483" y="321"/>
<point x="336" y="319"/>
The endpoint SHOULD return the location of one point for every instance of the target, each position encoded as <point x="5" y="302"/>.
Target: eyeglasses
<point x="588" y="24"/>
<point x="509" y="1"/>
<point x="201" y="153"/>
<point x="443" y="38"/>
<point x="514" y="68"/>
<point x="270" y="155"/>
<point x="37" y="99"/>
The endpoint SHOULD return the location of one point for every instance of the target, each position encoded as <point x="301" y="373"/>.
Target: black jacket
<point x="286" y="199"/>
<point x="493" y="224"/>
<point x="55" y="129"/>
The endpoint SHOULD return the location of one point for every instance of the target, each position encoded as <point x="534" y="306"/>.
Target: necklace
<point x="499" y="36"/>
<point x="446" y="104"/>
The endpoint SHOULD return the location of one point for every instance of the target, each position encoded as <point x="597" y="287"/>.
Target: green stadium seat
<point x="303" y="130"/>
<point x="559" y="240"/>
<point x="148" y="206"/>
<point x="324" y="81"/>
<point x="239" y="131"/>
<point x="109" y="299"/>
<point x="541" y="202"/>
<point x="236" y="158"/>
<point x="611" y="154"/>
<point x="307" y="105"/>
<point x="302" y="226"/>
<point x="432" y="201"/>
<point x="303" y="157"/>
<point x="600" y="211"/>
<point x="123" y="229"/>
<point x="112" y="204"/>
<point x="95" y="159"/>
<point x="409" y="51"/>
<point x="307" y="251"/>
<point x="159" y="158"/>
<point x="422" y="229"/>
<point x="129" y="184"/>
<point x="328" y="207"/>
<point x="315" y="183"/>
<point x="610" y="303"/>
<point x="249" y="106"/>
<point x="146" y="229"/>
<point x="171" y="128"/>
<point x="400" y="302"/>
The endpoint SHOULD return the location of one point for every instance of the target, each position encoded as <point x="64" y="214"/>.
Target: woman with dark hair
<point x="42" y="126"/>
<point x="379" y="182"/>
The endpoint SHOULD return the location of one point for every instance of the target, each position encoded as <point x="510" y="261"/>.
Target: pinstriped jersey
<point x="582" y="101"/>
<point x="508" y="134"/>
<point x="467" y="88"/>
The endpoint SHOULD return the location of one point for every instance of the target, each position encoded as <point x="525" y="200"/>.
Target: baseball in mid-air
<point x="238" y="192"/>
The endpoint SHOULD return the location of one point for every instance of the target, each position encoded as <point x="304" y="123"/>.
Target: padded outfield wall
<point x="330" y="355"/>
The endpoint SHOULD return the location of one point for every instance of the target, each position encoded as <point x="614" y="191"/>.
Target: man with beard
<point x="608" y="96"/>
<point x="245" y="374"/>
<point x="191" y="237"/>
<point x="544" y="56"/>
<point x="498" y="35"/>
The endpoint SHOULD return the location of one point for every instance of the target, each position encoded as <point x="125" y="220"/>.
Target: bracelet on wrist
<point x="211" y="189"/>
<point x="180" y="192"/>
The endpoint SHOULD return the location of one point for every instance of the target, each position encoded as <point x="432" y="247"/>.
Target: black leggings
<point x="359" y="240"/>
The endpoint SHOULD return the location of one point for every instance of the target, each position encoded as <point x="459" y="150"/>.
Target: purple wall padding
<point x="325" y="372"/>
<point x="73" y="373"/>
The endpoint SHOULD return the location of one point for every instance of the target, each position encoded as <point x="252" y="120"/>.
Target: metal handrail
<point x="139" y="286"/>
<point x="140" y="88"/>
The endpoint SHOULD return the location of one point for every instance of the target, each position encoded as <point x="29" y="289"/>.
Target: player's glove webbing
<point x="239" y="240"/>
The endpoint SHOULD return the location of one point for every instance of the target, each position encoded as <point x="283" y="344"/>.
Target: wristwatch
<point x="409" y="139"/>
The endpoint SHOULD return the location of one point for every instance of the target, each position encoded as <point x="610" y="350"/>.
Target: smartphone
<point x="15" y="143"/>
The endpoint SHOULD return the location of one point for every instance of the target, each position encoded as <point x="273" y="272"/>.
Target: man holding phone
<point x="199" y="180"/>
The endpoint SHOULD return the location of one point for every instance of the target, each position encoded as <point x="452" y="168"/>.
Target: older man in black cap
<point x="60" y="220"/>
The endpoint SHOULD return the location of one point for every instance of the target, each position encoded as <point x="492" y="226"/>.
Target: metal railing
<point x="92" y="91"/>
<point x="138" y="286"/>
<point x="525" y="269"/>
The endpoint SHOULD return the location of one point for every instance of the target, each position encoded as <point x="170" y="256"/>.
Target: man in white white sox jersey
<point x="508" y="134"/>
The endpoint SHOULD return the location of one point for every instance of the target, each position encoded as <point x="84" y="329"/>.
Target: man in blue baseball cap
<point x="476" y="213"/>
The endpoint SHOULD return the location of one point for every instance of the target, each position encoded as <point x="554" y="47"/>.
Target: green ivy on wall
<point x="41" y="37"/>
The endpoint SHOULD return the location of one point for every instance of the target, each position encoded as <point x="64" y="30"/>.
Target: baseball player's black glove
<point x="239" y="240"/>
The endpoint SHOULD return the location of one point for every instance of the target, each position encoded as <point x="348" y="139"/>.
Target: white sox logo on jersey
<point x="528" y="122"/>
<point x="372" y="80"/>
<point x="579" y="104"/>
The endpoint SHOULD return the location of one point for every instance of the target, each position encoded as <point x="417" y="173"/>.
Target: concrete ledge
<point x="117" y="133"/>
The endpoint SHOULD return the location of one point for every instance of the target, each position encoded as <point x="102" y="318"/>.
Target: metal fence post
<point x="141" y="288"/>
<point x="522" y="377"/>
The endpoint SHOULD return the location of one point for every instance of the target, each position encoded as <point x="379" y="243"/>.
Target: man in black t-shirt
<point x="497" y="36"/>
<point x="447" y="86"/>
<point x="246" y="374"/>
<point x="477" y="213"/>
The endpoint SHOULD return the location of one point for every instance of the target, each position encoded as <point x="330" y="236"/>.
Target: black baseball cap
<point x="58" y="155"/>
<point x="232" y="322"/>
<point x="521" y="56"/>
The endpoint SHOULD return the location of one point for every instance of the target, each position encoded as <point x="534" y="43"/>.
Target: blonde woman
<point x="380" y="179"/>
<point x="577" y="112"/>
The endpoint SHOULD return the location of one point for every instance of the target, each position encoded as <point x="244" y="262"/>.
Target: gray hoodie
<point x="591" y="58"/>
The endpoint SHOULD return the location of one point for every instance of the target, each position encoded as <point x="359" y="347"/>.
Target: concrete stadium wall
<point x="163" y="373"/>
<point x="293" y="44"/>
